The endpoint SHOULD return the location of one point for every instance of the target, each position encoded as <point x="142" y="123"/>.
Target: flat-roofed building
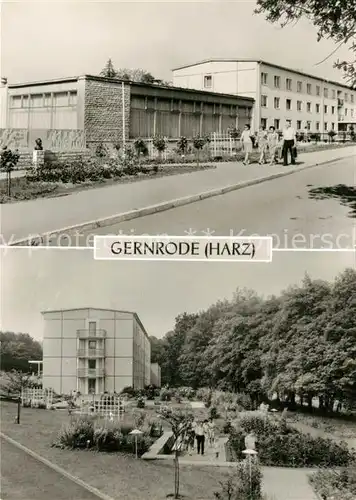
<point x="280" y="93"/>
<point x="106" y="110"/>
<point x="93" y="350"/>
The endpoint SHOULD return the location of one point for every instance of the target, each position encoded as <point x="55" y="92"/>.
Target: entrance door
<point x="91" y="385"/>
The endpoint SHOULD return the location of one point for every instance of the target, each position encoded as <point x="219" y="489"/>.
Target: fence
<point x="53" y="140"/>
<point x="36" y="397"/>
<point x="110" y="407"/>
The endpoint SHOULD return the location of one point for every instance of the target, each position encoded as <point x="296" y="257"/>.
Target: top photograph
<point x="177" y="118"/>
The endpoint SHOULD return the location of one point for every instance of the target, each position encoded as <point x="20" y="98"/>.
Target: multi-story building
<point x="94" y="350"/>
<point x="280" y="93"/>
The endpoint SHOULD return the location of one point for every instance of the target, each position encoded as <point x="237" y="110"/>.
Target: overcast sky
<point x="42" y="40"/>
<point x="44" y="279"/>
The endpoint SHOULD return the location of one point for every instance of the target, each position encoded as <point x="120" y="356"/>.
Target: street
<point x="285" y="208"/>
<point x="24" y="478"/>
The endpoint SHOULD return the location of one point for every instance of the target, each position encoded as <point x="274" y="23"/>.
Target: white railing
<point x="35" y="397"/>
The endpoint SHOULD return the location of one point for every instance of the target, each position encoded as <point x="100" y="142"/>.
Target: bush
<point x="111" y="436"/>
<point x="166" y="394"/>
<point x="140" y="403"/>
<point x="182" y="145"/>
<point x="77" y="434"/>
<point x="101" y="151"/>
<point x="337" y="485"/>
<point x="141" y="147"/>
<point x="129" y="391"/>
<point x="281" y="445"/>
<point x="241" y="485"/>
<point x="213" y="413"/>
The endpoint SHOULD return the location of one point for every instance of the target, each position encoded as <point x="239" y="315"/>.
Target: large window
<point x="288" y="104"/>
<point x="299" y="86"/>
<point x="309" y="88"/>
<point x="264" y="101"/>
<point x="288" y="83"/>
<point x="277" y="82"/>
<point x="264" y="77"/>
<point x="276" y="102"/>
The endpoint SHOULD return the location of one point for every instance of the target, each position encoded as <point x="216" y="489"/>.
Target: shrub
<point x="166" y="394"/>
<point x="213" y="412"/>
<point x="129" y="391"/>
<point x="281" y="445"/>
<point x="77" y="434"/>
<point x="242" y="484"/>
<point x="337" y="485"/>
<point x="140" y="402"/>
<point x="141" y="147"/>
<point x="101" y="150"/>
<point x="182" y="145"/>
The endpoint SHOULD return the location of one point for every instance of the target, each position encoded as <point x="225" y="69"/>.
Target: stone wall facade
<point x="103" y="111"/>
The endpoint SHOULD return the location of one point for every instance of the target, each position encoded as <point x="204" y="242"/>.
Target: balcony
<point x="90" y="372"/>
<point x="91" y="334"/>
<point x="90" y="353"/>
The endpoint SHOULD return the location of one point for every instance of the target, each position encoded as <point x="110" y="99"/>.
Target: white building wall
<point x="156" y="374"/>
<point x="245" y="79"/>
<point x="60" y="350"/>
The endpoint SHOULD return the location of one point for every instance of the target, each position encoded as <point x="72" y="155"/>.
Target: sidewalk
<point x="35" y="217"/>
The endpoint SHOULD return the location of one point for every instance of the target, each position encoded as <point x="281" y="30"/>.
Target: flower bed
<point x="279" y="444"/>
<point x="92" y="433"/>
<point x="335" y="485"/>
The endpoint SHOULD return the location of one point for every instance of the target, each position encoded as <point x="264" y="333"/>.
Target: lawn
<point x="119" y="476"/>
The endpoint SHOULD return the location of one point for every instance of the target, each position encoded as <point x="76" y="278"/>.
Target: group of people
<point x="269" y="142"/>
<point x="200" y="432"/>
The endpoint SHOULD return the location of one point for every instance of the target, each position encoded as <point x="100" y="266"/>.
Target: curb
<point x="56" y="468"/>
<point x="38" y="239"/>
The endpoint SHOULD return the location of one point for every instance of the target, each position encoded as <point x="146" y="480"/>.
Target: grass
<point x="119" y="476"/>
<point x="22" y="189"/>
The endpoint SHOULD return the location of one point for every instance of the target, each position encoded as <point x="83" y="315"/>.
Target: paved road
<point x="282" y="208"/>
<point x="23" y="478"/>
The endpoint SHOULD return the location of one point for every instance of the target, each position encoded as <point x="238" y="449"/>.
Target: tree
<point x="17" y="349"/>
<point x="334" y="19"/>
<point x="135" y="75"/>
<point x="8" y="162"/>
<point x="14" y="381"/>
<point x="109" y="71"/>
<point x="198" y="143"/>
<point x="179" y="422"/>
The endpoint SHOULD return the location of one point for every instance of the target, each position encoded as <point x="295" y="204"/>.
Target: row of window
<point x="288" y="107"/>
<point x="46" y="100"/>
<point x="300" y="125"/>
<point x="308" y="88"/>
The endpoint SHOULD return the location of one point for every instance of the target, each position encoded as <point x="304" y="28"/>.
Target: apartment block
<point x="280" y="93"/>
<point x="94" y="350"/>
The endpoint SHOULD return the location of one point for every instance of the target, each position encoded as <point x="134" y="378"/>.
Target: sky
<point x="43" y="279"/>
<point x="44" y="40"/>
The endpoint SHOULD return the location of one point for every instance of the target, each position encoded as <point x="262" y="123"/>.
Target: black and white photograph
<point x="239" y="378"/>
<point x="217" y="118"/>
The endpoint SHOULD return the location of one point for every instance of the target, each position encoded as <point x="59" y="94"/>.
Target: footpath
<point x="102" y="206"/>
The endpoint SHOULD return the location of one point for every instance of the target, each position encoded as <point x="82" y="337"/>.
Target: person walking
<point x="262" y="145"/>
<point x="289" y="142"/>
<point x="272" y="142"/>
<point x="211" y="432"/>
<point x="246" y="143"/>
<point x="199" y="433"/>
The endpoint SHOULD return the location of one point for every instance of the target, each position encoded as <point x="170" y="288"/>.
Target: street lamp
<point x="136" y="432"/>
<point x="249" y="453"/>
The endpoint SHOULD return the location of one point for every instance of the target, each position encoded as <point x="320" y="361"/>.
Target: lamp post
<point x="136" y="432"/>
<point x="249" y="454"/>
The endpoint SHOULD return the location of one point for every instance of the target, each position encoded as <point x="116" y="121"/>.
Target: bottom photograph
<point x="194" y="381"/>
